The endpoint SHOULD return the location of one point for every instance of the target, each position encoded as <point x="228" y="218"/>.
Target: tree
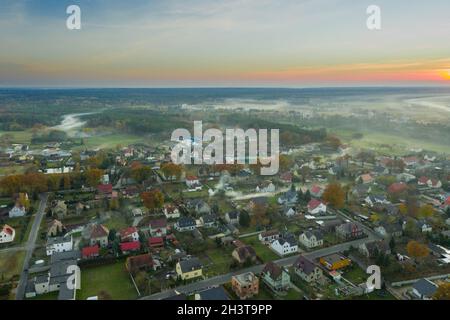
<point x="244" y="219"/>
<point x="417" y="250"/>
<point x="392" y="244"/>
<point x="66" y="182"/>
<point x="93" y="177"/>
<point x="153" y="199"/>
<point x="141" y="173"/>
<point x="426" y="211"/>
<point x="172" y="170"/>
<point x="259" y="217"/>
<point x="307" y="196"/>
<point x="442" y="292"/>
<point x="334" y="195"/>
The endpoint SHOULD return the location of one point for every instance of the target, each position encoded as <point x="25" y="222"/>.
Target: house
<point x="127" y="247"/>
<point x="189" y="269"/>
<point x="316" y="191"/>
<point x="59" y="244"/>
<point x="143" y="262"/>
<point x="90" y="252"/>
<point x="290" y="211"/>
<point x="349" y="230"/>
<point x="208" y="221"/>
<point x="316" y="207"/>
<point x="232" y="217"/>
<point x="104" y="191"/>
<point x="171" y="211"/>
<point x="244" y="254"/>
<point x="185" y="224"/>
<point x="266" y="186"/>
<point x="192" y="182"/>
<point x="137" y="212"/>
<point x="156" y="242"/>
<point x="245" y="285"/>
<point x="130" y="192"/>
<point x="268" y="236"/>
<point x="335" y="261"/>
<point x="286" y="177"/>
<point x="424" y="289"/>
<point x="7" y="234"/>
<point x="397" y="187"/>
<point x="158" y="227"/>
<point x="308" y="270"/>
<point x="215" y="293"/>
<point x="17" y="211"/>
<point x="201" y="207"/>
<point x="372" y="249"/>
<point x="424" y="227"/>
<point x="55" y="228"/>
<point x="276" y="277"/>
<point x="285" y="245"/>
<point x="376" y="199"/>
<point x="129" y="234"/>
<point x="311" y="239"/>
<point x="289" y="197"/>
<point x="361" y="190"/>
<point x="96" y="234"/>
<point x="59" y="210"/>
<point x="365" y="178"/>
<point x="387" y="230"/>
<point x="56" y="280"/>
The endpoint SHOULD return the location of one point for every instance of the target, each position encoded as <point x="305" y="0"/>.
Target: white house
<point x="192" y="182"/>
<point x="311" y="239"/>
<point x="17" y="211"/>
<point x="59" y="244"/>
<point x="171" y="212"/>
<point x="7" y="234"/>
<point x="266" y="187"/>
<point x="290" y="211"/>
<point x="284" y="246"/>
<point x="316" y="207"/>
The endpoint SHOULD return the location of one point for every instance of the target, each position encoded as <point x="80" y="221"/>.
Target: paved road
<point x="30" y="246"/>
<point x="219" y="280"/>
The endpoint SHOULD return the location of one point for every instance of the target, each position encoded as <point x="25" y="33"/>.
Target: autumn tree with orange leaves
<point x="334" y="195"/>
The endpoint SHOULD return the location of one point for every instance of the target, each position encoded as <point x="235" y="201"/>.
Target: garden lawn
<point x="10" y="264"/>
<point x="263" y="252"/>
<point x="112" y="278"/>
<point x="221" y="260"/>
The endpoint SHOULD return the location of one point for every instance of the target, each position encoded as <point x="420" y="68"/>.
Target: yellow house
<point x="335" y="262"/>
<point x="189" y="269"/>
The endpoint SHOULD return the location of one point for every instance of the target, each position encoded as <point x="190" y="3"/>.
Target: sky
<point x="231" y="43"/>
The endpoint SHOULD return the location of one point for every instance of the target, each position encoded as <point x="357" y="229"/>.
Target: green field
<point x="112" y="278"/>
<point x="389" y="143"/>
<point x="19" y="136"/>
<point x="263" y="252"/>
<point x="10" y="264"/>
<point x="111" y="141"/>
<point x="221" y="259"/>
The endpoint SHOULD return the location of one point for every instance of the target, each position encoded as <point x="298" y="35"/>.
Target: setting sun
<point x="445" y="74"/>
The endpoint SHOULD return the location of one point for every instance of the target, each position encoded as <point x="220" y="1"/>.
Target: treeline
<point x="36" y="182"/>
<point x="137" y="121"/>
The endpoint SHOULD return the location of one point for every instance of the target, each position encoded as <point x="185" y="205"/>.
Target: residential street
<point x="219" y="280"/>
<point x="30" y="246"/>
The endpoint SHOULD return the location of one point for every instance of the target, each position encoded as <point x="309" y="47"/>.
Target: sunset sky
<point x="292" y="43"/>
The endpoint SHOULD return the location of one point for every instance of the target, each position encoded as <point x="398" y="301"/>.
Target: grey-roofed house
<point x="307" y="270"/>
<point x="188" y="269"/>
<point x="311" y="238"/>
<point x="424" y="289"/>
<point x="185" y="224"/>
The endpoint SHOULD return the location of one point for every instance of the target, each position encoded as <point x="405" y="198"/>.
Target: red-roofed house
<point x="397" y="187"/>
<point x="156" y="242"/>
<point x="129" y="234"/>
<point x="286" y="177"/>
<point x="423" y="181"/>
<point x="90" y="252"/>
<point x="7" y="234"/>
<point x="365" y="178"/>
<point x="316" y="207"/>
<point x="192" y="181"/>
<point x="316" y="191"/>
<point x="127" y="247"/>
<point x="158" y="227"/>
<point x="446" y="204"/>
<point x="105" y="191"/>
